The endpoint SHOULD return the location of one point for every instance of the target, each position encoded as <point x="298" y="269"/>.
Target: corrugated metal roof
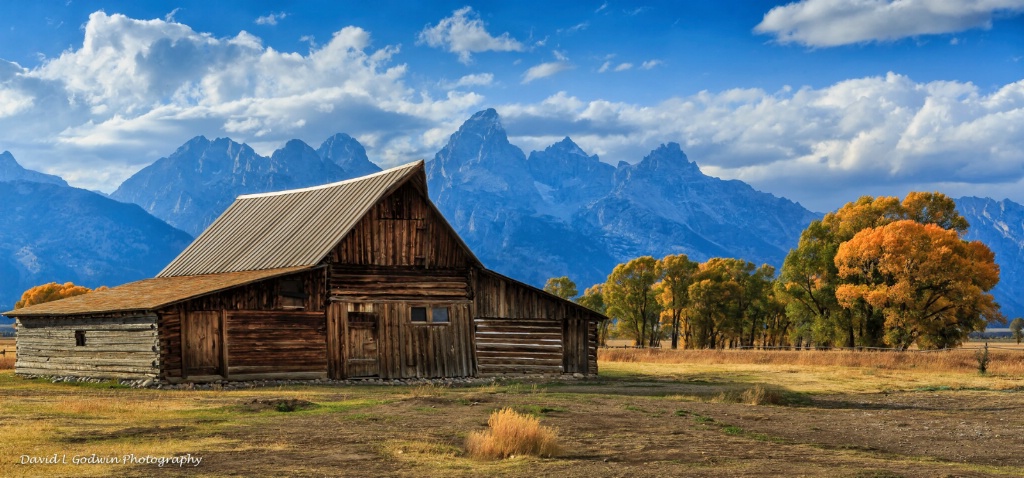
<point x="148" y="294"/>
<point x="285" y="229"/>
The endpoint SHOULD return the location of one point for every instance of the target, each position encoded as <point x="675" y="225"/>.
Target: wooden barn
<point x="361" y="278"/>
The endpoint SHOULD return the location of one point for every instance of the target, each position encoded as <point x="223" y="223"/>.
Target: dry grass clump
<point x="7" y="362"/>
<point x="511" y="434"/>
<point x="756" y="395"/>
<point x="959" y="360"/>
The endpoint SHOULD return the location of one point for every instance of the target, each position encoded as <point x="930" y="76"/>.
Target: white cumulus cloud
<point x="826" y="23"/>
<point x="823" y="147"/>
<point x="137" y="89"/>
<point x="464" y="33"/>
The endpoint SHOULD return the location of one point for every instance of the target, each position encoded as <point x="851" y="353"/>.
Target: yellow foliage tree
<point x="931" y="286"/>
<point x="50" y="292"/>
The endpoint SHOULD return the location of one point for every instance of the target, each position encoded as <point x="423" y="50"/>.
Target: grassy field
<point x="741" y="413"/>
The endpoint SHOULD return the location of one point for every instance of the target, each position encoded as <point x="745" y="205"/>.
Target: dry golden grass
<point x="756" y="395"/>
<point x="1007" y="362"/>
<point x="7" y="346"/>
<point x="512" y="434"/>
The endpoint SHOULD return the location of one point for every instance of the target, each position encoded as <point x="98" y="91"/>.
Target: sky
<point x="819" y="101"/>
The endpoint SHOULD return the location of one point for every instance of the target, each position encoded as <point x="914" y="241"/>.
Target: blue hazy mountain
<point x="10" y="170"/>
<point x="563" y="212"/>
<point x="57" y="233"/>
<point x="1000" y="225"/>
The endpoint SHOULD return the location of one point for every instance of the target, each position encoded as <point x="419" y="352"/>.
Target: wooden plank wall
<point x="115" y="347"/>
<point x="405" y="349"/>
<point x="427" y="350"/>
<point x="517" y="328"/>
<point x="402" y="230"/>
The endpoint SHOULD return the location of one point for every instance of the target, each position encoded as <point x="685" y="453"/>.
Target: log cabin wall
<point x="268" y="329"/>
<point x="521" y="330"/>
<point x="118" y="346"/>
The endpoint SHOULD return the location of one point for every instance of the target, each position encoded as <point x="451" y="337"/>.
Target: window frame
<point x="430" y="314"/>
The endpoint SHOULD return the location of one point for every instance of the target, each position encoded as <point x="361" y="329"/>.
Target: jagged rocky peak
<point x="569" y="175"/>
<point x="345" y="151"/>
<point x="482" y="140"/>
<point x="11" y="170"/>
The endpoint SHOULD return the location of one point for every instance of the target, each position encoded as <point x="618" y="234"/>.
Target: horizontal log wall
<point x="402" y="229"/>
<point x="277" y="342"/>
<point x="516" y="345"/>
<point x="371" y="284"/>
<point x="115" y="347"/>
<point x="524" y="324"/>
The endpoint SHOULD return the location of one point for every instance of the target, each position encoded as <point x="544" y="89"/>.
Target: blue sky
<point x="818" y="100"/>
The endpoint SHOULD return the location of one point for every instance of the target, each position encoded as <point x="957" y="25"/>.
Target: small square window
<point x="419" y="314"/>
<point x="429" y="315"/>
<point x="439" y="315"/>
<point x="79" y="338"/>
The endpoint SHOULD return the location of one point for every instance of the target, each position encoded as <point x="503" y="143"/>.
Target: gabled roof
<point x="148" y="294"/>
<point x="288" y="228"/>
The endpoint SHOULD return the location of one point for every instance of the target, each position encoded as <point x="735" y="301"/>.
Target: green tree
<point x="677" y="273"/>
<point x="1017" y="329"/>
<point x="562" y="287"/>
<point x="931" y="286"/>
<point x="630" y="296"/>
<point x="593" y="299"/>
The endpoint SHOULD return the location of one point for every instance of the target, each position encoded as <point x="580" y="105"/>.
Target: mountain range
<point x="54" y="232"/>
<point x="192" y="186"/>
<point x="559" y="211"/>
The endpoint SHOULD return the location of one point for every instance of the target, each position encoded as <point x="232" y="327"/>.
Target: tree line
<point x="878" y="272"/>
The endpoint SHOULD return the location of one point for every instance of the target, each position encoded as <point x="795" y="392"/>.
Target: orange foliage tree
<point x="931" y="286"/>
<point x="50" y="292"/>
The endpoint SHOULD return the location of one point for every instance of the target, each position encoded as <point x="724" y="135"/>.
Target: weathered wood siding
<point x="258" y="333"/>
<point x="403" y="229"/>
<point x="402" y="348"/>
<point x="275" y="342"/>
<point x="115" y="347"/>
<point x="522" y="330"/>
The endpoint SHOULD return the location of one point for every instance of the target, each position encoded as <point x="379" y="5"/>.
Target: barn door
<point x="202" y="344"/>
<point x="361" y="359"/>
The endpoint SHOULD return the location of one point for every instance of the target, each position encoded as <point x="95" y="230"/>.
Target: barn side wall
<point x="255" y="331"/>
<point x="122" y="347"/>
<point x="520" y="330"/>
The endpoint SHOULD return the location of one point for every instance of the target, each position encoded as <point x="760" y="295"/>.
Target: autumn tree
<point x="50" y="292"/>
<point x="630" y="296"/>
<point x="562" y="287"/>
<point x="677" y="273"/>
<point x="1017" y="329"/>
<point x="809" y="277"/>
<point x="930" y="286"/>
<point x="593" y="299"/>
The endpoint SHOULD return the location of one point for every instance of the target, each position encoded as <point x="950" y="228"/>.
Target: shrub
<point x="983" y="359"/>
<point x="510" y="434"/>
